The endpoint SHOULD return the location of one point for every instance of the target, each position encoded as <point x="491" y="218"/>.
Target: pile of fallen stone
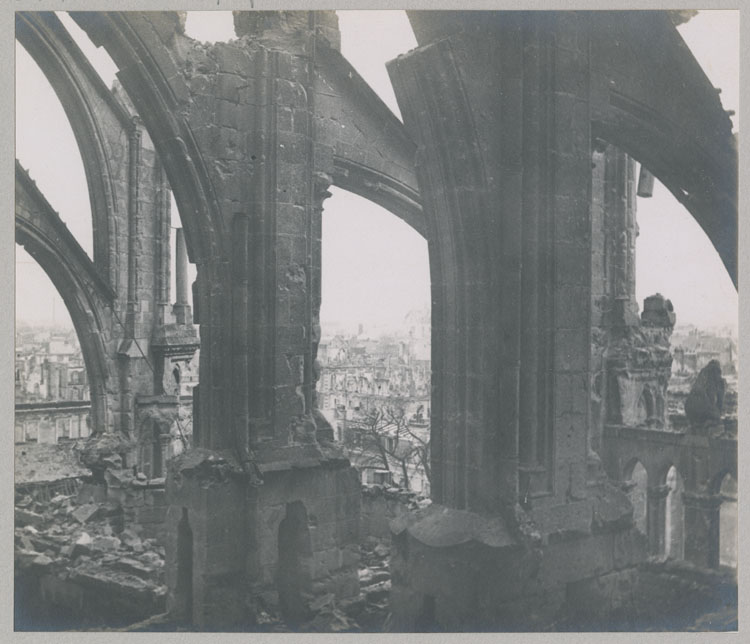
<point x="83" y="549"/>
<point x="368" y="612"/>
<point x="370" y="608"/>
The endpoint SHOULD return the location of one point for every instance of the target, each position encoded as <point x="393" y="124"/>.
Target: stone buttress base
<point x="459" y="571"/>
<point x="236" y="547"/>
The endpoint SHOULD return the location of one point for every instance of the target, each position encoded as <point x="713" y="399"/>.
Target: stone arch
<point x="87" y="297"/>
<point x="142" y="44"/>
<point x="139" y="44"/>
<point x="627" y="470"/>
<point x="672" y="122"/>
<point x="714" y="485"/>
<point x="373" y="154"/>
<point x="92" y="111"/>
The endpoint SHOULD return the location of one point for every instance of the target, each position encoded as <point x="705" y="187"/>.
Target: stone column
<point x="497" y="103"/>
<point x="702" y="529"/>
<point x="656" y="508"/>
<point x="132" y="351"/>
<point x="181" y="307"/>
<point x="162" y="251"/>
<point x="257" y="305"/>
<point x="613" y="304"/>
<point x="620" y="207"/>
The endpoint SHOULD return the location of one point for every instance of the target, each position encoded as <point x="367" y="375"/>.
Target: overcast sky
<point x="375" y="267"/>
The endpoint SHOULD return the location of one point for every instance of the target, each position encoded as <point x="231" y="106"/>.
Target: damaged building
<point x="562" y="497"/>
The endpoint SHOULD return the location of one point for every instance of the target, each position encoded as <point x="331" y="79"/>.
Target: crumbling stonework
<point x="77" y="565"/>
<point x="105" y="451"/>
<point x="638" y="364"/>
<point x="164" y="430"/>
<point x="240" y="558"/>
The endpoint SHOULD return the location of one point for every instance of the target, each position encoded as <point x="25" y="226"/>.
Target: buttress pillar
<point x="498" y="106"/>
<point x="257" y="463"/>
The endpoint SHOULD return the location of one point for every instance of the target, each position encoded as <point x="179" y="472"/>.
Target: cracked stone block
<point x="87" y="512"/>
<point x="105" y="543"/>
<point x="42" y="561"/>
<point x="130" y="539"/>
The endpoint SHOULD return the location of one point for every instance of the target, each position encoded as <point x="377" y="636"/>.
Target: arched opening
<point x="704" y="298"/>
<point x="183" y="594"/>
<point x="669" y="236"/>
<point x="50" y="359"/>
<point x="636" y="479"/>
<point x="728" y="522"/>
<point x="375" y="353"/>
<point x="674" y="531"/>
<point x="293" y="572"/>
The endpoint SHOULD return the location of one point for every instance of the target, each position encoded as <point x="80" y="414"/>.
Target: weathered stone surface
<point x="27" y="518"/>
<point x="105" y="543"/>
<point x="104" y="452"/>
<point x="658" y="312"/>
<point x="87" y="512"/>
<point x="706" y="398"/>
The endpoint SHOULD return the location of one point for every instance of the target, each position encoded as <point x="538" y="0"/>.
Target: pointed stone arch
<point x="87" y="297"/>
<point x="96" y="118"/>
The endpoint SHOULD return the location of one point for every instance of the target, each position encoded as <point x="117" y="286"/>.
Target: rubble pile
<point x="380" y="505"/>
<point x="370" y="609"/>
<point x="76" y="555"/>
<point x="368" y="612"/>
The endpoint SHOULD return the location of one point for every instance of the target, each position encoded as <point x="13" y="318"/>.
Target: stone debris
<point x="370" y="609"/>
<point x="329" y="618"/>
<point x="85" y="549"/>
<point x="26" y="517"/>
<point x="87" y="512"/>
<point x="103" y="454"/>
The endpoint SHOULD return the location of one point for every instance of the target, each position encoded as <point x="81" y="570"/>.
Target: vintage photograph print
<point x="376" y="321"/>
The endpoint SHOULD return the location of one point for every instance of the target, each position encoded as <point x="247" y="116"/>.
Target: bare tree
<point x="383" y="438"/>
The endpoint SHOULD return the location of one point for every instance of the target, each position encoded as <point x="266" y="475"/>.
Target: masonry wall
<point x="236" y="535"/>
